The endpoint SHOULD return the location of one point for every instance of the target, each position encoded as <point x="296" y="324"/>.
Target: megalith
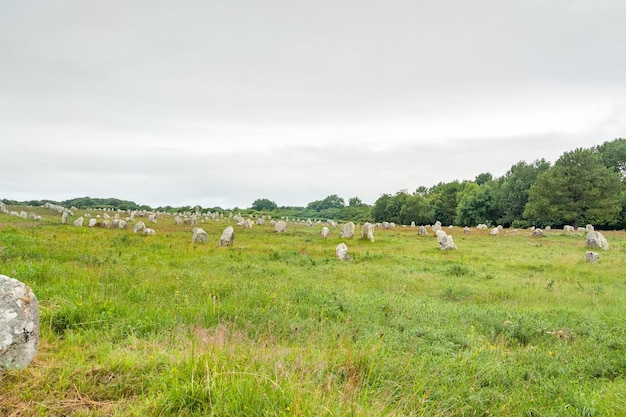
<point x="342" y="252"/>
<point x="19" y="324"/>
<point x="347" y="230"/>
<point x="198" y="235"/>
<point x="228" y="237"/>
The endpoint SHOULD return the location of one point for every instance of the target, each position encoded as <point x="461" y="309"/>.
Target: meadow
<point x="276" y="325"/>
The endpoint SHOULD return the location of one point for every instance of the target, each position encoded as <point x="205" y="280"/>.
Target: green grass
<point x="277" y="326"/>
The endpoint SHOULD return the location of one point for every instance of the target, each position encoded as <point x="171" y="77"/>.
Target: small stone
<point x="592" y="256"/>
<point x="342" y="252"/>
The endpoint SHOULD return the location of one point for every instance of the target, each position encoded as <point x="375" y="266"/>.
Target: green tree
<point x="578" y="188"/>
<point x="379" y="210"/>
<point x="444" y="199"/>
<point x="477" y="204"/>
<point x="483" y="178"/>
<point x="264" y="204"/>
<point x="513" y="191"/>
<point x="417" y="209"/>
<point x="355" y="202"/>
<point x="613" y="155"/>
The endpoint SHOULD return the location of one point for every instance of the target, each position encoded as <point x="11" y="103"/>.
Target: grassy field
<point x="507" y="325"/>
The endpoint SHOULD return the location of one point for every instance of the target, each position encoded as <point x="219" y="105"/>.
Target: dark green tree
<point x="444" y="199"/>
<point x="379" y="210"/>
<point x="355" y="202"/>
<point x="613" y="155"/>
<point x="578" y="188"/>
<point x="477" y="204"/>
<point x="513" y="190"/>
<point x="264" y="204"/>
<point x="483" y="178"/>
<point x="417" y="209"/>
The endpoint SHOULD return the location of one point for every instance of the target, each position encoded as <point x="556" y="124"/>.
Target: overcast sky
<point x="219" y="103"/>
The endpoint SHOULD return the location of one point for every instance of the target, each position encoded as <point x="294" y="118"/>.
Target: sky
<point x="219" y="103"/>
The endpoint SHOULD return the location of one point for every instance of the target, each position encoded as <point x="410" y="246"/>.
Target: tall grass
<point x="277" y="326"/>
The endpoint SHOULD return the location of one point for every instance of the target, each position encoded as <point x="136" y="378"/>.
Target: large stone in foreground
<point x="19" y="324"/>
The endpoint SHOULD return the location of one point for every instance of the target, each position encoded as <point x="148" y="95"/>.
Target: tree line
<point x="582" y="186"/>
<point x="585" y="185"/>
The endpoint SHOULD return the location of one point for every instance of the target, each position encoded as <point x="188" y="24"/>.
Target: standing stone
<point x="149" y="232"/>
<point x="325" y="232"/>
<point x="19" y="324"/>
<point x="367" y="232"/>
<point x="228" y="237"/>
<point x="260" y="221"/>
<point x="495" y="231"/>
<point x="595" y="240"/>
<point x="347" y="230"/>
<point x="589" y="228"/>
<point x="482" y="226"/>
<point x="592" y="256"/>
<point x="247" y="224"/>
<point x="568" y="228"/>
<point x="342" y="252"/>
<point x="79" y="222"/>
<point x="538" y="233"/>
<point x="92" y="222"/>
<point x="422" y="231"/>
<point x="412" y="224"/>
<point x="280" y="226"/>
<point x="446" y="242"/>
<point x="139" y="227"/>
<point x="437" y="226"/>
<point x="198" y="235"/>
<point x="309" y="223"/>
<point x="467" y="230"/>
<point x="64" y="217"/>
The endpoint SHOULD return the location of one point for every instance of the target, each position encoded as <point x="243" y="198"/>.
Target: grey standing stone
<point x="589" y="228"/>
<point x="280" y="226"/>
<point x="592" y="256"/>
<point x="228" y="237"/>
<point x="595" y="240"/>
<point x="325" y="232"/>
<point x="92" y="222"/>
<point x="495" y="231"/>
<point x="538" y="233"/>
<point x="19" y="324"/>
<point x="422" y="231"/>
<point x="467" y="230"/>
<point x="64" y="217"/>
<point x="436" y="226"/>
<point x="347" y="230"/>
<point x="367" y="232"/>
<point x="79" y="222"/>
<point x="446" y="242"/>
<point x="198" y="235"/>
<point x="342" y="252"/>
<point x="139" y="227"/>
<point x="149" y="232"/>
